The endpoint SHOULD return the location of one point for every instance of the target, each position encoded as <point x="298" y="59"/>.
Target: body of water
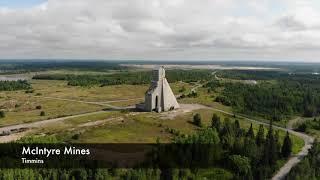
<point x="13" y="78"/>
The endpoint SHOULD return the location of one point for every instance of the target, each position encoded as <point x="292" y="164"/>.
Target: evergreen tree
<point x="286" y="149"/>
<point x="197" y="120"/>
<point x="227" y="134"/>
<point x="260" y="136"/>
<point x="42" y="113"/>
<point x="228" y="126"/>
<point x="238" y="145"/>
<point x="241" y="166"/>
<point x="250" y="148"/>
<point x="236" y="127"/>
<point x="215" y="122"/>
<point x="2" y="114"/>
<point x="278" y="144"/>
<point x="270" y="147"/>
<point x="250" y="132"/>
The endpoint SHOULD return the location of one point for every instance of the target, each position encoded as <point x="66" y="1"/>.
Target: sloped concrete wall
<point x="169" y="100"/>
<point x="160" y="97"/>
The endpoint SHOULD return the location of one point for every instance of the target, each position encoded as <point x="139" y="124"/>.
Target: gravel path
<point x="43" y="123"/>
<point x="95" y="102"/>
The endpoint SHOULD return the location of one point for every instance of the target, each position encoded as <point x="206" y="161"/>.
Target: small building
<point x="159" y="97"/>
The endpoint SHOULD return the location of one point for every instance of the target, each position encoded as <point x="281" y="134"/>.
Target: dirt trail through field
<point x="37" y="124"/>
<point x="91" y="102"/>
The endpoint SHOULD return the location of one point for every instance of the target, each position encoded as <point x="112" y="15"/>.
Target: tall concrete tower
<point x="159" y="96"/>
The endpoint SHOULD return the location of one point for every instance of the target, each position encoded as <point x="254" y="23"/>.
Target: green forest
<point x="252" y="75"/>
<point x="246" y="154"/>
<point x="278" y="99"/>
<point x="14" y="85"/>
<point x="133" y="78"/>
<point x="16" y="66"/>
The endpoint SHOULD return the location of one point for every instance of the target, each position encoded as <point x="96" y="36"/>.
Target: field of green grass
<point x="21" y="108"/>
<point x="61" y="89"/>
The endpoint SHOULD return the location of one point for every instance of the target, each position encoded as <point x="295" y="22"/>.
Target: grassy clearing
<point x="22" y="108"/>
<point x="177" y="87"/>
<point x="97" y="94"/>
<point x="205" y="98"/>
<point x="92" y="118"/>
<point x="131" y="102"/>
<point x="130" y="131"/>
<point x="100" y="94"/>
<point x="65" y="129"/>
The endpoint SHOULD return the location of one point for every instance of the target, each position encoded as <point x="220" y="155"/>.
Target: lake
<point x="14" y="77"/>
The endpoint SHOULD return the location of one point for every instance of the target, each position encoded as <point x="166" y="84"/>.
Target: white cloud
<point x="163" y="29"/>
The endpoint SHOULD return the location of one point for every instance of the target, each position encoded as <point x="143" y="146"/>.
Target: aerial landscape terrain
<point x="261" y="119"/>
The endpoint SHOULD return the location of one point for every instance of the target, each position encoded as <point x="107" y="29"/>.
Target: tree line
<point x="276" y="101"/>
<point x="12" y="67"/>
<point x="132" y="78"/>
<point x="14" y="85"/>
<point x="252" y="75"/>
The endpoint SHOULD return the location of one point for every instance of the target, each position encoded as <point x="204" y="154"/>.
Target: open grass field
<point x="205" y="98"/>
<point x="61" y="89"/>
<point x="97" y="94"/>
<point x="21" y="108"/>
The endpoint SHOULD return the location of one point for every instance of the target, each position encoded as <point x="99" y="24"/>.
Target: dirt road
<point x="42" y="123"/>
<point x="94" y="102"/>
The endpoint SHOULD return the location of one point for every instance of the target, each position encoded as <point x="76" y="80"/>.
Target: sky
<point x="259" y="30"/>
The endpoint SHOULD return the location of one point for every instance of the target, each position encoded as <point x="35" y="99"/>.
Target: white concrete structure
<point x="159" y="96"/>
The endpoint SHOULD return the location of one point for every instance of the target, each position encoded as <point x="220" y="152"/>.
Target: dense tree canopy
<point x="14" y="85"/>
<point x="272" y="100"/>
<point x="134" y="78"/>
<point x="286" y="149"/>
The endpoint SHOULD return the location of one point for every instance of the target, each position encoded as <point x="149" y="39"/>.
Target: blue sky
<point x="20" y="3"/>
